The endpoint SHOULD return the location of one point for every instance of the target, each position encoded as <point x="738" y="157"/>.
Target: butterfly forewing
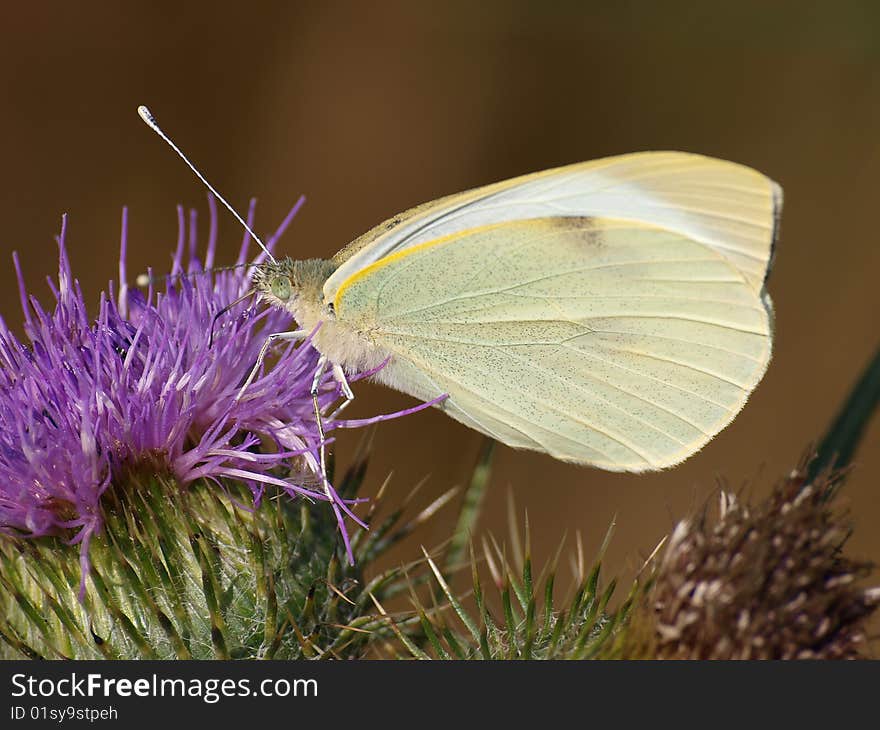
<point x="727" y="206"/>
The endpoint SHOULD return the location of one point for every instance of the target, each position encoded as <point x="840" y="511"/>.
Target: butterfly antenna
<point x="150" y="121"/>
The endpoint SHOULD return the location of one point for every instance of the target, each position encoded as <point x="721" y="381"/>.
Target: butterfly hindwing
<point x="598" y="340"/>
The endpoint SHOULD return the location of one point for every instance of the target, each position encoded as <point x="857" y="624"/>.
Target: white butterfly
<point x="610" y="313"/>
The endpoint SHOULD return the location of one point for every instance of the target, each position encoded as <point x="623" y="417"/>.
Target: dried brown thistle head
<point x="768" y="581"/>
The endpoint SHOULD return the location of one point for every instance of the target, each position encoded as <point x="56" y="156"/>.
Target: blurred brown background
<point x="369" y="108"/>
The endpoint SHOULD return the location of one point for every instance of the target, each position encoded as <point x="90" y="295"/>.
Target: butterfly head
<point x="285" y="283"/>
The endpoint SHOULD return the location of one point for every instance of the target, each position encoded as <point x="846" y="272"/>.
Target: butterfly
<point x="611" y="313"/>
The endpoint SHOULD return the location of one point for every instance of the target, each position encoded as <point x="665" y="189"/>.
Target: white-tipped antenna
<point x="150" y="120"/>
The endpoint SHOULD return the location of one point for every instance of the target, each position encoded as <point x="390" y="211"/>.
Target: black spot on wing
<point x="584" y="227"/>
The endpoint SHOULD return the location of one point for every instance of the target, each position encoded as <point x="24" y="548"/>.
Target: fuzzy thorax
<point x="297" y="286"/>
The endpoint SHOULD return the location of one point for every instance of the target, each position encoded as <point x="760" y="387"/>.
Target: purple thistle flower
<point x="88" y="401"/>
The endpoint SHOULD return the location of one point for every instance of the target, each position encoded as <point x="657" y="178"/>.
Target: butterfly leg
<point x="316" y="382"/>
<point x="348" y="394"/>
<point x="270" y="339"/>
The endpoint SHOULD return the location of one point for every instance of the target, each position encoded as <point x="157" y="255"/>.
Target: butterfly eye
<point x="280" y="287"/>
